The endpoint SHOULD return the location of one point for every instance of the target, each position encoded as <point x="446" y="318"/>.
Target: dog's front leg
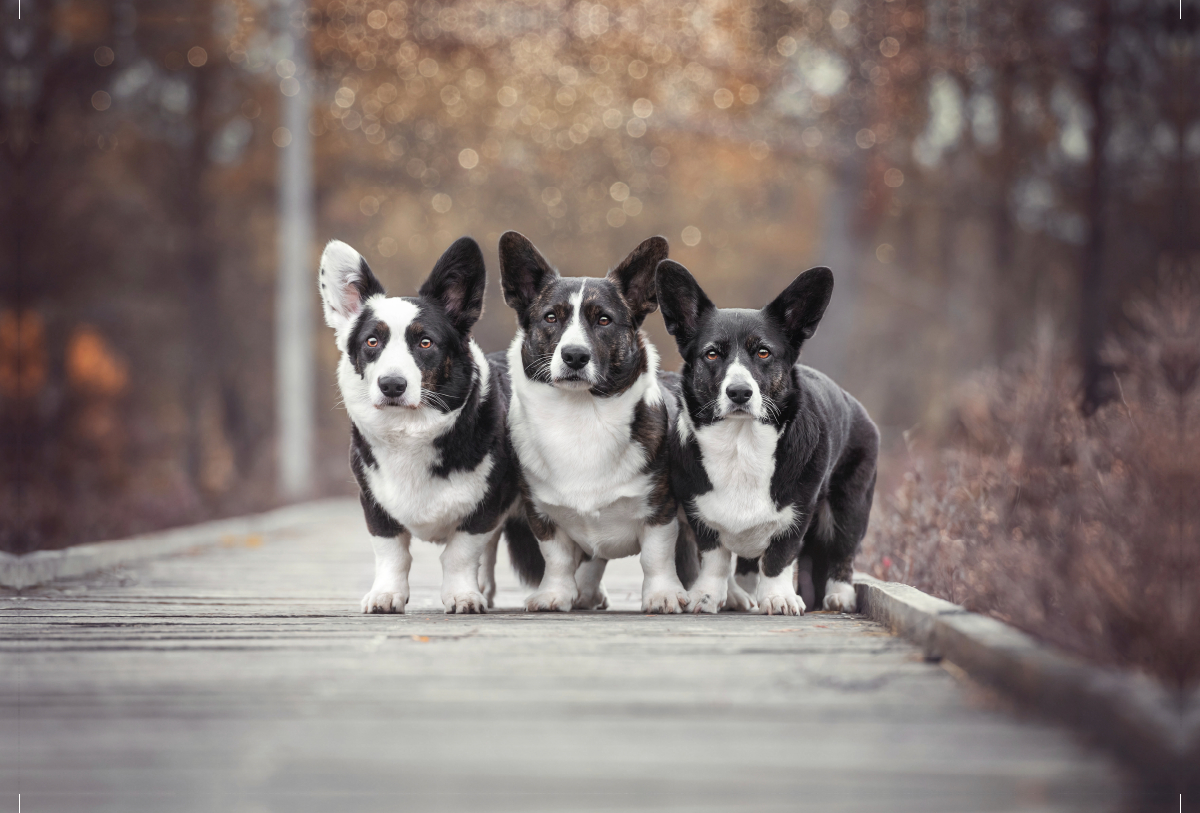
<point x="708" y="593"/>
<point x="389" y="592"/>
<point x="558" y="590"/>
<point x="460" y="573"/>
<point x="662" y="592"/>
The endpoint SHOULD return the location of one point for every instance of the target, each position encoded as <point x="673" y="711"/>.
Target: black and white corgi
<point x="589" y="422"/>
<point x="770" y="456"/>
<point x="428" y="422"/>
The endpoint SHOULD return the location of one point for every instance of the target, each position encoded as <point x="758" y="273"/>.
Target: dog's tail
<point x="687" y="554"/>
<point x="524" y="551"/>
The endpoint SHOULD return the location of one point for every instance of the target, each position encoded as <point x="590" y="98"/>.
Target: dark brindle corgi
<point x="589" y="422"/>
<point x="427" y="410"/>
<point x="771" y="456"/>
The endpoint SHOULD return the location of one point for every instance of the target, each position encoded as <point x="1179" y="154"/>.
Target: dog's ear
<point x="523" y="273"/>
<point x="635" y="277"/>
<point x="457" y="283"/>
<point x="683" y="303"/>
<point x="802" y="304"/>
<point x="346" y="282"/>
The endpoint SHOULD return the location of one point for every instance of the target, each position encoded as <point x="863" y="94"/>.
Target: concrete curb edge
<point x="1131" y="715"/>
<point x="42" y="567"/>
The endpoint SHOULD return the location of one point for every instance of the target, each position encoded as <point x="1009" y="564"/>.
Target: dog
<point x="428" y="414"/>
<point x="770" y="456"/>
<point x="589" y="421"/>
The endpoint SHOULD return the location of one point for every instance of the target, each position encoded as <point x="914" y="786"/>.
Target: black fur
<point x="825" y="456"/>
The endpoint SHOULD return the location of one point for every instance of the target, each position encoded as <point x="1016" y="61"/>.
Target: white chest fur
<point x="739" y="459"/>
<point x="583" y="469"/>
<point x="402" y="443"/>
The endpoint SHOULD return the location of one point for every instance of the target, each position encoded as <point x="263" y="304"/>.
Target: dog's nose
<point x="393" y="386"/>
<point x="576" y="356"/>
<point x="739" y="393"/>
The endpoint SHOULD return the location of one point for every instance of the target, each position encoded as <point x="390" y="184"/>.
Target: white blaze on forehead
<point x="574" y="335"/>
<point x="396" y="358"/>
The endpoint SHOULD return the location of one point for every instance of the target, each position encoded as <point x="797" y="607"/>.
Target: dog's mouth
<point x="572" y="381"/>
<point x="396" y="403"/>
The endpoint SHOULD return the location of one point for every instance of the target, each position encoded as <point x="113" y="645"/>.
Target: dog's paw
<point x="488" y="588"/>
<point x="840" y="597"/>
<point x="384" y="601"/>
<point x="465" y="603"/>
<point x="738" y="600"/>
<point x="550" y="601"/>
<point x="595" y="600"/>
<point x="706" y="598"/>
<point x="666" y="597"/>
<point x="781" y="604"/>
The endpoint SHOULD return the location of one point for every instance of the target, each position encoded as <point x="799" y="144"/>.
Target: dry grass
<point x="1082" y="530"/>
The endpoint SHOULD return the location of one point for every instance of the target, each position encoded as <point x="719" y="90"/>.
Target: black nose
<point x="393" y="386"/>
<point x="576" y="357"/>
<point x="739" y="393"/>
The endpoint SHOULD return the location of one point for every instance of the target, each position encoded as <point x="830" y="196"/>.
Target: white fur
<point x="395" y="359"/>
<point x="340" y="267"/>
<point x="840" y="597"/>
<point x="739" y="458"/>
<point x="389" y="592"/>
<point x="709" y="592"/>
<point x="777" y="594"/>
<point x="592" y="595"/>
<point x="585" y="474"/>
<point x="736" y="373"/>
<point x="738" y="599"/>
<point x="573" y="335"/>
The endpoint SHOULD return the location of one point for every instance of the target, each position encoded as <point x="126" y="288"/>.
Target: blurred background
<point x="984" y="178"/>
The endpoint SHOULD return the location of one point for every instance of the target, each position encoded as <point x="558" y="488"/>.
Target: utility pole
<point x="295" y="406"/>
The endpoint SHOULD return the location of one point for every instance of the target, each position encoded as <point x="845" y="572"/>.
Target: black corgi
<point x="428" y="418"/>
<point x="770" y="456"/>
<point x="589" y="422"/>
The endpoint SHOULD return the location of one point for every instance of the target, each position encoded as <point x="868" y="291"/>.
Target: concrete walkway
<point x="243" y="679"/>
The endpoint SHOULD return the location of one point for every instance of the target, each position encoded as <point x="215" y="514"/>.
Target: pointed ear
<point x="457" y="283"/>
<point x="345" y="282"/>
<point x="523" y="273"/>
<point x="802" y="304"/>
<point x="683" y="303"/>
<point x="635" y="277"/>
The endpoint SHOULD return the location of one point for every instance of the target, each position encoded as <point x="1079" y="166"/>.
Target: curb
<point x="41" y="567"/>
<point x="1134" y="717"/>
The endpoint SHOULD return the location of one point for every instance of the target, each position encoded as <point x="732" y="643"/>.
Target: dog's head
<point x="405" y="352"/>
<point x="738" y="362"/>
<point x="580" y="333"/>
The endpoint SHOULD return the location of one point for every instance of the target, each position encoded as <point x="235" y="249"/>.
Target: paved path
<point x="243" y="679"/>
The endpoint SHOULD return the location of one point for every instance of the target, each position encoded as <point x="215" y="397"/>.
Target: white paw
<point x="594" y="600"/>
<point x="488" y="589"/>
<point x="665" y="597"/>
<point x="465" y="602"/>
<point x="777" y="604"/>
<point x="706" y="597"/>
<point x="840" y="597"/>
<point x="738" y="600"/>
<point x="554" y="601"/>
<point x="384" y="601"/>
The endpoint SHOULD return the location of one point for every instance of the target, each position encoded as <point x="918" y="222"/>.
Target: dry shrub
<point x="1081" y="530"/>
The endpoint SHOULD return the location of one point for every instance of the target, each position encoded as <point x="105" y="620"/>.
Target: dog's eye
<point x="372" y="341"/>
<point x="550" y="317"/>
<point x="603" y="320"/>
<point x="764" y="353"/>
<point x="712" y="355"/>
<point x="426" y="343"/>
